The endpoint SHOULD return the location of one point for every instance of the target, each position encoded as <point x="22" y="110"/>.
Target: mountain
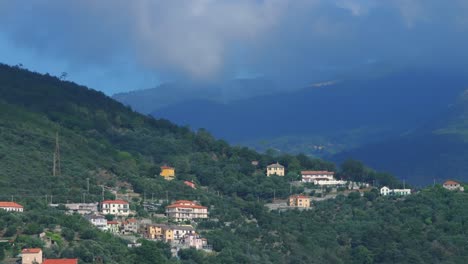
<point x="326" y="119"/>
<point x="434" y="151"/>
<point x="166" y="94"/>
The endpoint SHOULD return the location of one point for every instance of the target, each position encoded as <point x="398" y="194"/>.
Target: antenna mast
<point x="57" y="171"/>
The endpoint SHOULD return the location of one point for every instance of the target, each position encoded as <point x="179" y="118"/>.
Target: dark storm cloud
<point x="293" y="41"/>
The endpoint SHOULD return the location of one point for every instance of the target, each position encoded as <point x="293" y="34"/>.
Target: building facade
<point x="186" y="210"/>
<point x="399" y="192"/>
<point x="311" y="176"/>
<point x="275" y="169"/>
<point x="113" y="226"/>
<point x="167" y="172"/>
<point x="115" y="207"/>
<point x="31" y="256"/>
<point x="299" y="201"/>
<point x="11" y="206"/>
<point x="98" y="221"/>
<point x="453" y="186"/>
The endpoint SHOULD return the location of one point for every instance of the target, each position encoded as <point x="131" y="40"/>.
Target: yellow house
<point x="275" y="169"/>
<point x="299" y="201"/>
<point x="159" y="231"/>
<point x="168" y="235"/>
<point x="167" y="172"/>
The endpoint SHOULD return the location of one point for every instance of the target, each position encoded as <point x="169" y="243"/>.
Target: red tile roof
<point x="31" y="250"/>
<point x="190" y="184"/>
<point x="112" y="222"/>
<point x="451" y="182"/>
<point x="317" y="172"/>
<point x="60" y="261"/>
<point x="10" y="204"/>
<point x="186" y="204"/>
<point x="114" y="202"/>
<point x="300" y="196"/>
<point x="166" y="168"/>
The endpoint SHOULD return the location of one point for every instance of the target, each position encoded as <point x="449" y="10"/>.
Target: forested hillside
<point x="108" y="143"/>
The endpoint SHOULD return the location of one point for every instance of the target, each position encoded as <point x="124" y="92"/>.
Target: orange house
<point x="167" y="172"/>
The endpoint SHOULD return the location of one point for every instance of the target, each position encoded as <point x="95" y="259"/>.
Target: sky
<point x="120" y="45"/>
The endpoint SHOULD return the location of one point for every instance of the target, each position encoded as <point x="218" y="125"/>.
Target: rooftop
<point x="275" y="165"/>
<point x="317" y="172"/>
<point x="450" y="182"/>
<point x="31" y="250"/>
<point x="114" y="202"/>
<point x="10" y="204"/>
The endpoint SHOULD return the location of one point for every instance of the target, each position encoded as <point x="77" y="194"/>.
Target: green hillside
<point x="109" y="144"/>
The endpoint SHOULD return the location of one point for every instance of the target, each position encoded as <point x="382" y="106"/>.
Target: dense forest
<point x="111" y="145"/>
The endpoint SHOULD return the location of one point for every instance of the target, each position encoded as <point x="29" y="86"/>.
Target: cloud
<point x="296" y="41"/>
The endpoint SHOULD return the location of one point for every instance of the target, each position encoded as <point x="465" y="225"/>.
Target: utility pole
<point x="57" y="171"/>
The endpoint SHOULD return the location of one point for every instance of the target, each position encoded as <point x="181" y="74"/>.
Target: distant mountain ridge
<point x="338" y="117"/>
<point x="434" y="151"/>
<point x="149" y="100"/>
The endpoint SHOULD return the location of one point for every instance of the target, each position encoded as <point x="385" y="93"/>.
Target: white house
<point x="98" y="221"/>
<point x="180" y="231"/>
<point x="453" y="186"/>
<point x="186" y="210"/>
<point x="11" y="206"/>
<point x="311" y="176"/>
<point x="387" y="191"/>
<point x="115" y="207"/>
<point x="329" y="182"/>
<point x="80" y="208"/>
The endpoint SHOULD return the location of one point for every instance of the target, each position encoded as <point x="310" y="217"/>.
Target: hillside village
<point x="178" y="226"/>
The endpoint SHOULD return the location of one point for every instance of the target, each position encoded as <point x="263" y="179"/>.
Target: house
<point x="299" y="201"/>
<point x="275" y="169"/>
<point x="400" y="192"/>
<point x="98" y="221"/>
<point x="311" y="176"/>
<point x="158" y="231"/>
<point x="254" y="163"/>
<point x="193" y="240"/>
<point x="115" y="207"/>
<point x="190" y="184"/>
<point x="80" y="208"/>
<point x="181" y="230"/>
<point x="60" y="261"/>
<point x="167" y="172"/>
<point x="186" y="210"/>
<point x="11" y="207"/>
<point x="453" y="186"/>
<point x="130" y="226"/>
<point x="113" y="226"/>
<point x="31" y="256"/>
<point x="327" y="182"/>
